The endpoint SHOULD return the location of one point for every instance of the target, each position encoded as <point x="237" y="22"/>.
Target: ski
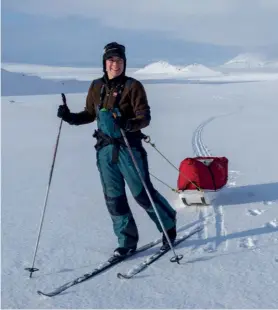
<point x="112" y="261"/>
<point x="154" y="257"/>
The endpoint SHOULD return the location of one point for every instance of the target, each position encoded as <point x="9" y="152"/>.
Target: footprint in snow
<point x="255" y="212"/>
<point x="268" y="203"/>
<point x="209" y="248"/>
<point x="272" y="224"/>
<point x="248" y="243"/>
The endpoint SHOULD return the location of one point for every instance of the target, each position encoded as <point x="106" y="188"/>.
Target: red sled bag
<point x="208" y="173"/>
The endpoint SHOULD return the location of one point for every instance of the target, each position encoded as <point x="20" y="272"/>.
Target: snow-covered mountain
<point x="248" y="60"/>
<point x="158" y="68"/>
<point x="199" y="70"/>
<point x="166" y="69"/>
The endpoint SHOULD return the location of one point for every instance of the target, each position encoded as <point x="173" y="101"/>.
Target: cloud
<point x="223" y="22"/>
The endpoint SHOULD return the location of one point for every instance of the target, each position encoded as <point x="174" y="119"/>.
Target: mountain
<point x="248" y="60"/>
<point x="166" y="69"/>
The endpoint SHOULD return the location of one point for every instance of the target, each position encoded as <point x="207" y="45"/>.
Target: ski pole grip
<point x="64" y="98"/>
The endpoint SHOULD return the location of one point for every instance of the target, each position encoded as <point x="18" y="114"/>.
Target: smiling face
<point x="114" y="66"/>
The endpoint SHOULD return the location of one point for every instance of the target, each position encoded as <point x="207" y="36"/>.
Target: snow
<point x="248" y="60"/>
<point x="199" y="70"/>
<point x="22" y="84"/>
<point x="232" y="263"/>
<point x="161" y="69"/>
<point x="51" y="72"/>
<point x="63" y="74"/>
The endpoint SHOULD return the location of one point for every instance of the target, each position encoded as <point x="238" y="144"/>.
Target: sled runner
<point x="200" y="179"/>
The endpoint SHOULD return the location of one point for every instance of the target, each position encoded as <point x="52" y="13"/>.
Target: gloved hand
<point x="123" y="123"/>
<point x="64" y="112"/>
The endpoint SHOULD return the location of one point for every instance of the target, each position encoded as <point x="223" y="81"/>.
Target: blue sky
<point x="73" y="32"/>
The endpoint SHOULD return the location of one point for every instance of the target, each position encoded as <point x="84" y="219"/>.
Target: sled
<point x="201" y="178"/>
<point x="197" y="198"/>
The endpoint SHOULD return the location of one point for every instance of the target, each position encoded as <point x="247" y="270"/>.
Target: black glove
<point x="123" y="123"/>
<point x="64" y="113"/>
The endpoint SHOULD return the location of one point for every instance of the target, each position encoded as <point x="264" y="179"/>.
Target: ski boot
<point x="172" y="234"/>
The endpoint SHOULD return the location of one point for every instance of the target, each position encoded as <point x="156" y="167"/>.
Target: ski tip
<point x="42" y="294"/>
<point x="119" y="275"/>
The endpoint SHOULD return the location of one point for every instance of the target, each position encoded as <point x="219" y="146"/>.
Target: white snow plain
<point x="231" y="264"/>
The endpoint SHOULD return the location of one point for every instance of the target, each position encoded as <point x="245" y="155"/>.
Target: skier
<point x="118" y="101"/>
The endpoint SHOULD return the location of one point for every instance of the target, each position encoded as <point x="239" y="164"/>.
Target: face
<point x="114" y="66"/>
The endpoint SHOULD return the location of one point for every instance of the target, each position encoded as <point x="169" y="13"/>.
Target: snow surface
<point x="231" y="264"/>
<point x="50" y="72"/>
<point x="22" y="84"/>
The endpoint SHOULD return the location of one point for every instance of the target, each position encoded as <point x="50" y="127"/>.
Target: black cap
<point x="113" y="49"/>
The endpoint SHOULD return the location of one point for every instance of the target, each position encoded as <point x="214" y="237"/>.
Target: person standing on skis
<point x="116" y="102"/>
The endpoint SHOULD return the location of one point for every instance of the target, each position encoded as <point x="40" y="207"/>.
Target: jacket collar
<point x="112" y="83"/>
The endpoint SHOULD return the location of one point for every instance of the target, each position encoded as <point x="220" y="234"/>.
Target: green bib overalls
<point x="116" y="167"/>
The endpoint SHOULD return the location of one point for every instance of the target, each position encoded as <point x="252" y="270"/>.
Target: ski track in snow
<point x="200" y="149"/>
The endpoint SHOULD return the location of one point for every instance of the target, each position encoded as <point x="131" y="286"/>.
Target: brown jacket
<point x="133" y="104"/>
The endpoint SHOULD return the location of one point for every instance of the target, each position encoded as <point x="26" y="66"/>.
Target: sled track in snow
<point x="200" y="149"/>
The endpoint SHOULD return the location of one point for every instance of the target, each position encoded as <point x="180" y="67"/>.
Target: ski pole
<point x="176" y="257"/>
<point x="32" y="269"/>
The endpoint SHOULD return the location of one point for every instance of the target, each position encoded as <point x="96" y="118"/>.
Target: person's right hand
<point x="63" y="112"/>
